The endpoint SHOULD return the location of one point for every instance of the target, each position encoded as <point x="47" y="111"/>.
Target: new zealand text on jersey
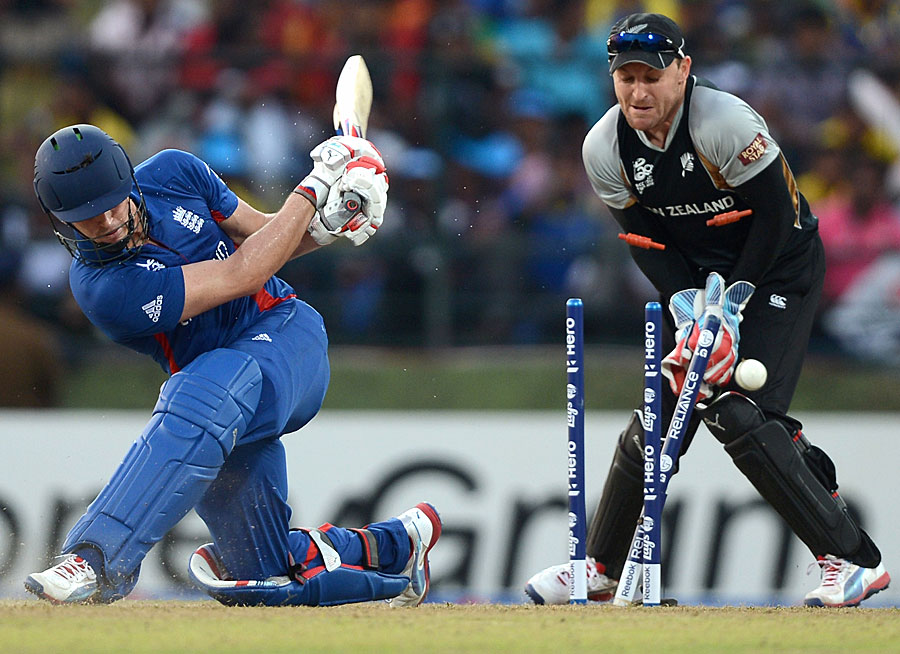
<point x="716" y="206"/>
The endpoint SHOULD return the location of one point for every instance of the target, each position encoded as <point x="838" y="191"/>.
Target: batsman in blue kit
<point x="170" y="262"/>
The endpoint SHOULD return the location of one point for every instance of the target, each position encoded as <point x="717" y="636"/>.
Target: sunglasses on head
<point x="646" y="41"/>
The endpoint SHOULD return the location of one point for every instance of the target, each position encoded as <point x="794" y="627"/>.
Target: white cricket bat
<point x="353" y="102"/>
<point x="353" y="98"/>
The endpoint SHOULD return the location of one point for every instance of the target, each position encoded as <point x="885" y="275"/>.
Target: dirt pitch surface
<point x="133" y="627"/>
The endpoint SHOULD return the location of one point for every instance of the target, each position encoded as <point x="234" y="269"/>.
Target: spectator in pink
<point x="857" y="227"/>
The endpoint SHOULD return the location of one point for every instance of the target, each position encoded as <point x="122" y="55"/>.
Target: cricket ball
<point x="750" y="374"/>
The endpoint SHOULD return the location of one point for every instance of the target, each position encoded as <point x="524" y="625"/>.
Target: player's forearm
<point x="244" y="222"/>
<point x="307" y="245"/>
<point x="666" y="269"/>
<point x="265" y="251"/>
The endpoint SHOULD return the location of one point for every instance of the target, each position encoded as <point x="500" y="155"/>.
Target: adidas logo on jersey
<point x="153" y="309"/>
<point x="187" y="218"/>
<point x="262" y="337"/>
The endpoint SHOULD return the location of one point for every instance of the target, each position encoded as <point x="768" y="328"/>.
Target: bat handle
<point x="351" y="206"/>
<point x="351" y="201"/>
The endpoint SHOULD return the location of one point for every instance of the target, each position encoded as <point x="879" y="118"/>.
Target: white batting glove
<point x="356" y="204"/>
<point x="330" y="159"/>
<point x="318" y="231"/>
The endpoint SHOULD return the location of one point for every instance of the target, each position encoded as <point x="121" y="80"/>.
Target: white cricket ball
<point x="750" y="374"/>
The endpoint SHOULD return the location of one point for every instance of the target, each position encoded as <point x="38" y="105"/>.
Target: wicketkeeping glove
<point x="723" y="355"/>
<point x="723" y="358"/>
<point x="686" y="308"/>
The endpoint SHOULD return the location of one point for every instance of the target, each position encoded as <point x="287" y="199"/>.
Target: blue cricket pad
<point x="107" y="592"/>
<point x="344" y="585"/>
<point x="201" y="413"/>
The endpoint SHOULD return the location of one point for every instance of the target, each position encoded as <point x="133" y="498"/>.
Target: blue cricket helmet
<point x="81" y="172"/>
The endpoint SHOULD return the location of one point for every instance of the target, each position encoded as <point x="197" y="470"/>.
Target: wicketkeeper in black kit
<point x="673" y="154"/>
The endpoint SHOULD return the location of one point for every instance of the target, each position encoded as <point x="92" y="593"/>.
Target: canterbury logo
<point x="262" y="337"/>
<point x="153" y="309"/>
<point x="778" y="301"/>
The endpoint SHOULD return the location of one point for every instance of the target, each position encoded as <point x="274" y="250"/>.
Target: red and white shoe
<point x="423" y="524"/>
<point x="71" y="581"/>
<point x="551" y="585"/>
<point x="845" y="583"/>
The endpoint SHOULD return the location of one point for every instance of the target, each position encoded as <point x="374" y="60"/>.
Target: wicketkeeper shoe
<point x="70" y="581"/>
<point x="423" y="524"/>
<point x="551" y="585"/>
<point x="845" y="583"/>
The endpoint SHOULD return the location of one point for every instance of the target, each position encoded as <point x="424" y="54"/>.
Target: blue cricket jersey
<point x="138" y="302"/>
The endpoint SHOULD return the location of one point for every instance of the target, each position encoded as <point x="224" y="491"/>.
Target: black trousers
<point x="776" y="326"/>
<point x="775" y="330"/>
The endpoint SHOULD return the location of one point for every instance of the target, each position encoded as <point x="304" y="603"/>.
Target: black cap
<point x="646" y="24"/>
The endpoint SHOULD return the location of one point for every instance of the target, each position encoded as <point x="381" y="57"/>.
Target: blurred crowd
<point x="480" y="110"/>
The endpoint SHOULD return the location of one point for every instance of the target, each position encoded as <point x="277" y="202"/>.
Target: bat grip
<point x="351" y="201"/>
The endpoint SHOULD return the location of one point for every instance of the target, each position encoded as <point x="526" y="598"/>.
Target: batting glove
<point x="356" y="204"/>
<point x="330" y="160"/>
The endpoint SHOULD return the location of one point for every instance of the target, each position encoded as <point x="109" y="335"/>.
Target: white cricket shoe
<point x="423" y="524"/>
<point x="845" y="583"/>
<point x="70" y="581"/>
<point x="551" y="585"/>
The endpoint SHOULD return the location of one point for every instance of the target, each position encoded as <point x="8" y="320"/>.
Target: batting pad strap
<point x="344" y="585"/>
<point x="329" y="553"/>
<point x="370" y="557"/>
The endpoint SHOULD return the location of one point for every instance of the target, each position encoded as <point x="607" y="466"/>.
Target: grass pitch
<point x="135" y="627"/>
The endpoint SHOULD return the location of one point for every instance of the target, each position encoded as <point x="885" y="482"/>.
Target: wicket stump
<point x="575" y="423"/>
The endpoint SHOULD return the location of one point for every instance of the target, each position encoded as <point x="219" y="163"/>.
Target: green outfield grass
<point x="134" y="627"/>
<point x="502" y="378"/>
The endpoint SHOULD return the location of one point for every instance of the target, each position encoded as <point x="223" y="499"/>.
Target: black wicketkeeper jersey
<point x="717" y="143"/>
